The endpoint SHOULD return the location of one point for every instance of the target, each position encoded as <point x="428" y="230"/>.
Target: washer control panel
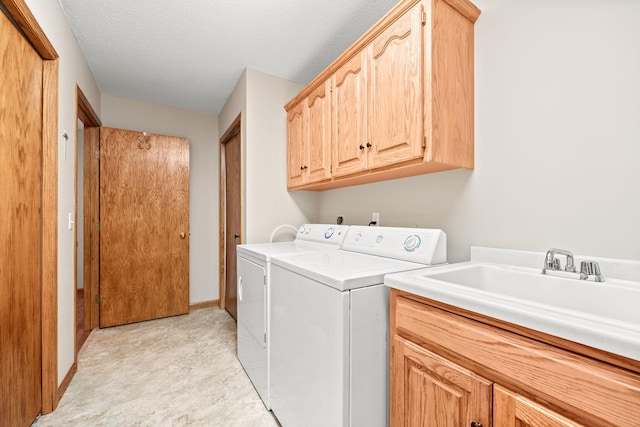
<point x="422" y="245"/>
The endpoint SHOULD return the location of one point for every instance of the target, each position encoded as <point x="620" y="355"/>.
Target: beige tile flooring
<point x="177" y="371"/>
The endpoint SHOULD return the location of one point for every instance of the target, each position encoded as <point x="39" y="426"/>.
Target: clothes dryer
<point x="253" y="272"/>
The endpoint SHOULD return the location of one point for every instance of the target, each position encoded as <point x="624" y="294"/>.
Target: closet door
<point x="21" y="82"/>
<point x="144" y="226"/>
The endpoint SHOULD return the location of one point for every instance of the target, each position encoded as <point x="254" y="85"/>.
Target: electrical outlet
<point x="375" y="218"/>
<point x="340" y="219"/>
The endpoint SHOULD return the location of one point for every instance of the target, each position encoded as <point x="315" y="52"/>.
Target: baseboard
<point x="66" y="381"/>
<point x="204" y="304"/>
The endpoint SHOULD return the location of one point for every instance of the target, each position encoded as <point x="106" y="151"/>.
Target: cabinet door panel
<point x="395" y="92"/>
<point x="428" y="390"/>
<point x="349" y="117"/>
<point x="319" y="143"/>
<point x="513" y="410"/>
<point x="295" y="144"/>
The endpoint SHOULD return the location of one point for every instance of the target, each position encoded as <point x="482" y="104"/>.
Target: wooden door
<point x="233" y="161"/>
<point x="349" y="129"/>
<point x="319" y="141"/>
<point x="428" y="390"/>
<point x="513" y="410"/>
<point x="144" y="226"/>
<point x="296" y="140"/>
<point x="395" y="91"/>
<point x="21" y="114"/>
<point x="91" y="227"/>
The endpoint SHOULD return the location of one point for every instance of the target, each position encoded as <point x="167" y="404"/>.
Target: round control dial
<point x="411" y="243"/>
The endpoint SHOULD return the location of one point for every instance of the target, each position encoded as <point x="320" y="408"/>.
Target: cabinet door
<point x="513" y="410"/>
<point x="296" y="137"/>
<point x="319" y="143"/>
<point x="428" y="390"/>
<point x="395" y="107"/>
<point x="349" y="133"/>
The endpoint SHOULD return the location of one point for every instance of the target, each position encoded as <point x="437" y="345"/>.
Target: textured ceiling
<point x="190" y="54"/>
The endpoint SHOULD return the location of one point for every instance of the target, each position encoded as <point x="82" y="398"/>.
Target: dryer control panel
<point x="322" y="233"/>
<point x="423" y="245"/>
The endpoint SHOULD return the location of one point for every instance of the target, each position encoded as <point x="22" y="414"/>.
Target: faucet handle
<point x="590" y="269"/>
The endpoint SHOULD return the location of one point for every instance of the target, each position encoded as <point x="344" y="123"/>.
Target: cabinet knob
<point x="303" y="168"/>
<point x="475" y="424"/>
<point x="361" y="147"/>
<point x="368" y="145"/>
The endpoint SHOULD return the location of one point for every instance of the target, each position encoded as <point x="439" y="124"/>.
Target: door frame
<point x="23" y="18"/>
<point x="87" y="115"/>
<point x="234" y="128"/>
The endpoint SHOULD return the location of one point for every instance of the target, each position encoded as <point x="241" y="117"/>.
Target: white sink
<point x="612" y="299"/>
<point x="509" y="286"/>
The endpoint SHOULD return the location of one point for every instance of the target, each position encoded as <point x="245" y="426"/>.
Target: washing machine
<point x="253" y="272"/>
<point x="329" y="363"/>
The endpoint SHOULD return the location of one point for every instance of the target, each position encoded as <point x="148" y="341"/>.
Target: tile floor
<point x="177" y="371"/>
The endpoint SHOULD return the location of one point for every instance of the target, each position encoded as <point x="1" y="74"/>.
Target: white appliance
<point x="253" y="272"/>
<point x="330" y="325"/>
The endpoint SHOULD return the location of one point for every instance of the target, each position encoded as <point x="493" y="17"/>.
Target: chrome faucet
<point x="551" y="263"/>
<point x="588" y="269"/>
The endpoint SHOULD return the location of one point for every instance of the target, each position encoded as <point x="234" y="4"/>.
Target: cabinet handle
<point x="361" y="147"/>
<point x="368" y="145"/>
<point x="475" y="424"/>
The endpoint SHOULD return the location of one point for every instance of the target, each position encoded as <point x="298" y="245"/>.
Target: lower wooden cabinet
<point x="429" y="390"/>
<point x="454" y="368"/>
<point x="512" y="410"/>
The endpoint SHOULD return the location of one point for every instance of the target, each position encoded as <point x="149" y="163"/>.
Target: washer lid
<point x="343" y="270"/>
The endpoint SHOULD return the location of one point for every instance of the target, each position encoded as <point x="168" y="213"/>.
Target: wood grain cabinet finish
<point x="512" y="410"/>
<point x="400" y="98"/>
<point x="429" y="390"/>
<point x="450" y="367"/>
<point x="309" y="138"/>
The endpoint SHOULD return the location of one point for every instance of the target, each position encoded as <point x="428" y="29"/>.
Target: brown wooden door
<point x="428" y="390"/>
<point x="319" y="143"/>
<point x="297" y="137"/>
<point x="396" y="91"/>
<point x="349" y="127"/>
<point x="233" y="158"/>
<point x="513" y="410"/>
<point x="144" y="226"/>
<point x="91" y="227"/>
<point x="21" y="81"/>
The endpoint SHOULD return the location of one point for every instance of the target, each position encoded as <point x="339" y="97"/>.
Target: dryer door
<point x="252" y="323"/>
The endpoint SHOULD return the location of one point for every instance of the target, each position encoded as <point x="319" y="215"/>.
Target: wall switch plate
<point x="70" y="221"/>
<point x="375" y="218"/>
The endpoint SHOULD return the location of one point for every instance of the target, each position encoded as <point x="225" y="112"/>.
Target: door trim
<point x="232" y="130"/>
<point x="20" y="13"/>
<point x="87" y="115"/>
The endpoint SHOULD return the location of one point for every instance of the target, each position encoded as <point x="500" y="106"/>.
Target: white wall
<point x="557" y="138"/>
<point x="267" y="204"/>
<point x="72" y="69"/>
<point x="202" y="132"/>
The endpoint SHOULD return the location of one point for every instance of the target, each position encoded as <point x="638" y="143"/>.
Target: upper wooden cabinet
<point x="400" y="100"/>
<point x="309" y="138"/>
